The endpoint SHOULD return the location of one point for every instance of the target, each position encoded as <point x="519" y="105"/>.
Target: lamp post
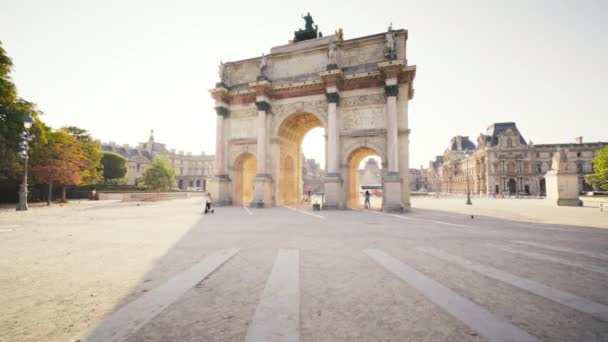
<point x="26" y="138"/>
<point x="468" y="191"/>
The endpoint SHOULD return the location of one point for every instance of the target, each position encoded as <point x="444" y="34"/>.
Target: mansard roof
<point x="466" y="144"/>
<point x="498" y="128"/>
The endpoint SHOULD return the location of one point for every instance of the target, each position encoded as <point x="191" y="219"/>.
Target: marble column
<point x="262" y="183"/>
<point x="332" y="134"/>
<point x="333" y="181"/>
<point x="218" y="185"/>
<point x="220" y="161"/>
<point x="262" y="141"/>
<point x="392" y="178"/>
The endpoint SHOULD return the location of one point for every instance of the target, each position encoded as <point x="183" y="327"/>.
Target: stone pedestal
<point x="262" y="192"/>
<point x="332" y="184"/>
<point x="562" y="189"/>
<point x="218" y="187"/>
<point x="392" y="193"/>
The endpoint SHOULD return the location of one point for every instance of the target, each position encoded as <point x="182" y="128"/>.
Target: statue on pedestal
<point x="558" y="163"/>
<point x="263" y="67"/>
<point x="221" y="74"/>
<point x="332" y="57"/>
<point x="390" y="52"/>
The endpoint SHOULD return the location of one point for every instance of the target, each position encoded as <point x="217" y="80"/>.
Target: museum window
<point x="578" y="154"/>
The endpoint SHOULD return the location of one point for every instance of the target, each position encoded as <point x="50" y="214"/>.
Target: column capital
<point x="391" y="90"/>
<point x="222" y="111"/>
<point x="333" y="97"/>
<point x="263" y="105"/>
<point x="391" y="69"/>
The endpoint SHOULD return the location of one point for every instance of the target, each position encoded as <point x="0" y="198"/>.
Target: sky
<point x="121" y="68"/>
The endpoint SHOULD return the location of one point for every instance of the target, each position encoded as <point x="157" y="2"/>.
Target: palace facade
<point x="503" y="162"/>
<point x="191" y="171"/>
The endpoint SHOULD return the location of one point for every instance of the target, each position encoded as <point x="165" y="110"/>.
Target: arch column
<point x="333" y="181"/>
<point x="218" y="185"/>
<point x="392" y="180"/>
<point x="262" y="183"/>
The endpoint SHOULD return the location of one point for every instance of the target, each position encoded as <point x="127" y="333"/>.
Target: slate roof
<point x="498" y="128"/>
<point x="467" y="144"/>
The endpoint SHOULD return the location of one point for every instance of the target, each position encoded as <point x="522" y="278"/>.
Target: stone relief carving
<point x="363" y="118"/>
<point x="363" y="100"/>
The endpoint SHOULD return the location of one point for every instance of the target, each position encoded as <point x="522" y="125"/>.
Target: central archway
<point x="290" y="134"/>
<point x="244" y="171"/>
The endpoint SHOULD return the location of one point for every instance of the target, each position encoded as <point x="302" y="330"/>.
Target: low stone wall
<point x="594" y="201"/>
<point x="147" y="196"/>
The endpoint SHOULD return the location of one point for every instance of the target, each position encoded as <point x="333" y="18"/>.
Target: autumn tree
<point x="60" y="161"/>
<point x="599" y="179"/>
<point x="160" y="175"/>
<point x="92" y="172"/>
<point x="114" y="166"/>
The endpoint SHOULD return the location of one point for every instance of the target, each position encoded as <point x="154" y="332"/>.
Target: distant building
<point x="312" y="175"/>
<point x="504" y="163"/>
<point x="371" y="174"/>
<point x="191" y="170"/>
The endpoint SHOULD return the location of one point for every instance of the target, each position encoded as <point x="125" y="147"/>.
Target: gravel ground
<point x="63" y="269"/>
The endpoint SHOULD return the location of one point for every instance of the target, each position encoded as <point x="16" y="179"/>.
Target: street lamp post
<point x="26" y="138"/>
<point x="468" y="191"/>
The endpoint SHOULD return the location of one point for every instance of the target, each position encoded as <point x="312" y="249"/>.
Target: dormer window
<point x="509" y="142"/>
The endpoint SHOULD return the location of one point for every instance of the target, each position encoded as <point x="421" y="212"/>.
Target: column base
<point x="392" y="193"/>
<point x="262" y="191"/>
<point x="332" y="183"/>
<point x="218" y="187"/>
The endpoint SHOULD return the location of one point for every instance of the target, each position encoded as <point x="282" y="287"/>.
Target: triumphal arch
<point x="357" y="90"/>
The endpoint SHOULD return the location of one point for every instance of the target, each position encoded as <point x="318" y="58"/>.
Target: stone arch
<point x="284" y="117"/>
<point x="354" y="156"/>
<point x="289" y="132"/>
<point x="348" y="151"/>
<point x="244" y="170"/>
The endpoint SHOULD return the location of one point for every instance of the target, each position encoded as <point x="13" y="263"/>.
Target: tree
<point x="12" y="112"/>
<point x="61" y="161"/>
<point x="160" y="175"/>
<point x="91" y="150"/>
<point x="114" y="166"/>
<point x="599" y="179"/>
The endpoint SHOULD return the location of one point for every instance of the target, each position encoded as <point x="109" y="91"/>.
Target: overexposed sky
<point x="121" y="68"/>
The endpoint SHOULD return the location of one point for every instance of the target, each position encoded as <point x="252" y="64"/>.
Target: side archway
<point x="353" y="183"/>
<point x="245" y="167"/>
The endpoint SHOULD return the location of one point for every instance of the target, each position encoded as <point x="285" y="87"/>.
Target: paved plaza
<point x="114" y="271"/>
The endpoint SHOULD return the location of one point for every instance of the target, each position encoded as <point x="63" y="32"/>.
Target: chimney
<point x="579" y="140"/>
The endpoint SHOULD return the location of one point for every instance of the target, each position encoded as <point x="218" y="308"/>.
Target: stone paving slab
<point x="65" y="269"/>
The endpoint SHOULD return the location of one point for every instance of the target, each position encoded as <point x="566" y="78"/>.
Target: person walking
<point x="309" y="199"/>
<point x="367" y="195"/>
